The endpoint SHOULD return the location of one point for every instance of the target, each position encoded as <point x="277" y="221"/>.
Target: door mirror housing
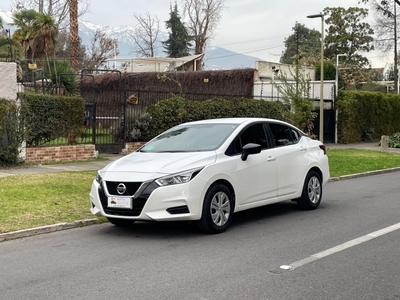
<point x="250" y="149"/>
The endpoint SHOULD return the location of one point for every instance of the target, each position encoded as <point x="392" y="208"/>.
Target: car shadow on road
<point x="173" y="230"/>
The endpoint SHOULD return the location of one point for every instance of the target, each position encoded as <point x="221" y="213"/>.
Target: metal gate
<point x="105" y="116"/>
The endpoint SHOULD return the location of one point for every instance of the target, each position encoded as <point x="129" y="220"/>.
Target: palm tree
<point x="45" y="36"/>
<point x="25" y="33"/>
<point x="74" y="35"/>
<point x="36" y="32"/>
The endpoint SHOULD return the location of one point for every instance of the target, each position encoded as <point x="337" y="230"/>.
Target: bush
<point x="48" y="117"/>
<point x="61" y="74"/>
<point x="394" y="140"/>
<point x="10" y="137"/>
<point x="176" y="110"/>
<point x="367" y="115"/>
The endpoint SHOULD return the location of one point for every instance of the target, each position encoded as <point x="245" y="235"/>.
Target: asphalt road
<point x="349" y="248"/>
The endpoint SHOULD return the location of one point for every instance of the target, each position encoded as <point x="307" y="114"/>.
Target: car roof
<point x="233" y="121"/>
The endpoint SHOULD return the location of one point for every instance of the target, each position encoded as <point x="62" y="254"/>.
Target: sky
<point x="252" y="27"/>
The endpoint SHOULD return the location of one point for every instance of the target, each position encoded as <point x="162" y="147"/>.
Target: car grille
<point x="131" y="188"/>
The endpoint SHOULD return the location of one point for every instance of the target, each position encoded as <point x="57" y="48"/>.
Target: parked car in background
<point x="207" y="170"/>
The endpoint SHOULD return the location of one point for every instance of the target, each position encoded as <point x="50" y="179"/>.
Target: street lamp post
<point x="9" y="40"/>
<point x="336" y="93"/>
<point x="321" y="94"/>
<point x="337" y="74"/>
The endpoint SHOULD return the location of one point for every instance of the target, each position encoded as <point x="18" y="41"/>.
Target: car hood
<point x="143" y="166"/>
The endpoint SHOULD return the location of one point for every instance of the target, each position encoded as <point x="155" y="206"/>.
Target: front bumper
<point x="180" y="202"/>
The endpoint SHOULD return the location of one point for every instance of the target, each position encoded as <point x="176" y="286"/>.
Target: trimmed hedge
<point x="367" y="116"/>
<point x="171" y="112"/>
<point x="10" y="137"/>
<point x="48" y="117"/>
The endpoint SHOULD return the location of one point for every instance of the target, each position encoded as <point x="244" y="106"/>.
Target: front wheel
<point x="120" y="222"/>
<point x="217" y="210"/>
<point x="312" y="192"/>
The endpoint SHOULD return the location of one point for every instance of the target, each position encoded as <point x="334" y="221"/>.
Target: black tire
<point x="217" y="210"/>
<point x="120" y="222"/>
<point x="312" y="192"/>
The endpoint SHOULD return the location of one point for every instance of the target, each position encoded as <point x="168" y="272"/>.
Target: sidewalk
<point x="61" y="167"/>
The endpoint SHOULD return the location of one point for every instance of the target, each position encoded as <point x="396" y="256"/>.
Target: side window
<point x="254" y="134"/>
<point x="284" y="135"/>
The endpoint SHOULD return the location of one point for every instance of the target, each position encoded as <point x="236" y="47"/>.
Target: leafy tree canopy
<point x="347" y="34"/>
<point x="304" y="44"/>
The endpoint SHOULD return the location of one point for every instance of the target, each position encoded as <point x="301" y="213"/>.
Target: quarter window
<point x="284" y="135"/>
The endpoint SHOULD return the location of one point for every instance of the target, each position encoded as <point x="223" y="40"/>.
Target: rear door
<point x="291" y="156"/>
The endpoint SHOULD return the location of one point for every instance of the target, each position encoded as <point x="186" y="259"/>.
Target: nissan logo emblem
<point x="121" y="188"/>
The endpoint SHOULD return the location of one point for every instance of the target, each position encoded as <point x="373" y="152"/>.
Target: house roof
<point x="154" y="64"/>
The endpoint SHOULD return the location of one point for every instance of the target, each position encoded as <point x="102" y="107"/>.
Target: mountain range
<point x="214" y="58"/>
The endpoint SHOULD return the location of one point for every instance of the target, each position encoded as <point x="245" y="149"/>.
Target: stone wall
<point x="8" y="75"/>
<point x="60" y="153"/>
<point x="131" y="147"/>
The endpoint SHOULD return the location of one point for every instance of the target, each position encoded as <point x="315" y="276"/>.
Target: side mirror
<point x="250" y="149"/>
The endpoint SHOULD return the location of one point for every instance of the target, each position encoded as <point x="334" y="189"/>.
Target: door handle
<point x="271" y="158"/>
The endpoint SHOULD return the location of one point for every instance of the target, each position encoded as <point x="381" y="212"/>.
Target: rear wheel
<point x="312" y="192"/>
<point x="217" y="210"/>
<point x="120" y="222"/>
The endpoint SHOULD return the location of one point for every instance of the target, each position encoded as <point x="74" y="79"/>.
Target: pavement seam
<point x="80" y="223"/>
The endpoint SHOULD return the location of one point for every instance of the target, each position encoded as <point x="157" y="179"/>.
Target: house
<point x="156" y="64"/>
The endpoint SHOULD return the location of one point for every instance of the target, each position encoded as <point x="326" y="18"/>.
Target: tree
<point x="63" y="48"/>
<point x="386" y="29"/>
<point x="101" y="48"/>
<point x="178" y="43"/>
<point x="329" y="71"/>
<point x="297" y="96"/>
<point x="302" y="46"/>
<point x="204" y="17"/>
<point x="25" y="32"/>
<point x="74" y="34"/>
<point x="145" y="35"/>
<point x="57" y="9"/>
<point x="347" y="34"/>
<point x="45" y="36"/>
<point x="36" y="32"/>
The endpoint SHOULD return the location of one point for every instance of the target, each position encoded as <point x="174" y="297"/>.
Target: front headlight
<point x="178" y="178"/>
<point x="99" y="179"/>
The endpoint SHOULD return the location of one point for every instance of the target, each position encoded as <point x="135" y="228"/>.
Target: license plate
<point x="120" y="202"/>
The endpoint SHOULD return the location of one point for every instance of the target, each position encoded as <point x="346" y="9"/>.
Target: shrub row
<point x="367" y="116"/>
<point x="48" y="117"/>
<point x="175" y="110"/>
<point x="10" y="138"/>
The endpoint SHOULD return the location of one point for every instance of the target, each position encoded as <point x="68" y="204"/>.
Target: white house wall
<point x="268" y="91"/>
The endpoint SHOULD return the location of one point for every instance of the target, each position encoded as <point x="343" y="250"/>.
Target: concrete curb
<point x="377" y="172"/>
<point x="80" y="223"/>
<point x="45" y="229"/>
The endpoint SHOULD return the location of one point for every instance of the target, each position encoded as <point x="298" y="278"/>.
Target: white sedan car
<point x="207" y="170"/>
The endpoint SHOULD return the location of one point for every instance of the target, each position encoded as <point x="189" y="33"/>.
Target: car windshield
<point x="189" y="138"/>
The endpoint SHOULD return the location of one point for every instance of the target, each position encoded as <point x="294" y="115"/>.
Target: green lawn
<point x="29" y="201"/>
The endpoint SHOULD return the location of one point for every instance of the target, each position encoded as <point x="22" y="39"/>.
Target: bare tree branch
<point x="145" y="35"/>
<point x="101" y="48"/>
<point x="204" y="17"/>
